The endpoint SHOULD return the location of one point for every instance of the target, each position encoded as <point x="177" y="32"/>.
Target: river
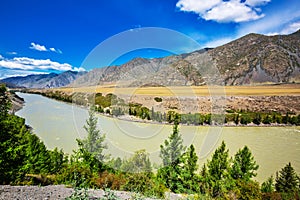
<point x="58" y="124"/>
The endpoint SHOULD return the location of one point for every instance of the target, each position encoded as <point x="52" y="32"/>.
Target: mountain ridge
<point x="253" y="59"/>
<point x="51" y="80"/>
<point x="250" y="60"/>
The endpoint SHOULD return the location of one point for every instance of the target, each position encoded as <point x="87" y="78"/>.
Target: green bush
<point x="158" y="99"/>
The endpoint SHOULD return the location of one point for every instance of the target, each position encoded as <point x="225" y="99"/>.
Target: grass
<point x="265" y="90"/>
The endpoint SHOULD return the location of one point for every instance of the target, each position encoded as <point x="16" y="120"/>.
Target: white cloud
<point x="274" y="23"/>
<point x="25" y="63"/>
<point x="55" y="50"/>
<point x="78" y="69"/>
<point x="197" y="6"/>
<point x="37" y="47"/>
<point x="5" y="73"/>
<point x="1" y="57"/>
<point x="290" y="28"/>
<point x="224" y="11"/>
<point x="231" y="11"/>
<point x="254" y="3"/>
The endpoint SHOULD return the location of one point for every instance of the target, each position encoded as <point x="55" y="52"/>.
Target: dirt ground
<point x="56" y="192"/>
<point x="59" y="192"/>
<point x="202" y="99"/>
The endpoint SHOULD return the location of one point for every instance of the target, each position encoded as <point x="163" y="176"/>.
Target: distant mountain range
<point x="252" y="59"/>
<point x="51" y="80"/>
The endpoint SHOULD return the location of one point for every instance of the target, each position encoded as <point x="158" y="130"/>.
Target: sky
<point x="58" y="35"/>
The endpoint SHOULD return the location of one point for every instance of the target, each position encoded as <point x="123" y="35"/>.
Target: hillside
<point x="51" y="80"/>
<point x="252" y="59"/>
<point x="257" y="58"/>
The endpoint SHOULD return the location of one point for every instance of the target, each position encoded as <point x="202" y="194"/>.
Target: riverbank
<point x="140" y="114"/>
<point x="17" y="102"/>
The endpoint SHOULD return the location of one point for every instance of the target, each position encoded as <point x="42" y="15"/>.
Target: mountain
<point x="257" y="58"/>
<point x="252" y="59"/>
<point x="51" y="80"/>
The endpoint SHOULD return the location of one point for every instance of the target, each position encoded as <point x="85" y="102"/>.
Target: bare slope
<point x="252" y="59"/>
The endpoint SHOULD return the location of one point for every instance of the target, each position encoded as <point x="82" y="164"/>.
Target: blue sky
<point x="53" y="36"/>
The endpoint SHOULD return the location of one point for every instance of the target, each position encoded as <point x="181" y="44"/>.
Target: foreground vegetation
<point x="24" y="159"/>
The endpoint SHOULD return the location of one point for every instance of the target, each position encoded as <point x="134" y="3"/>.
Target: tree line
<point x="112" y="105"/>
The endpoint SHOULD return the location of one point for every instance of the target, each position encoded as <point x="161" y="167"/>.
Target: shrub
<point x="158" y="99"/>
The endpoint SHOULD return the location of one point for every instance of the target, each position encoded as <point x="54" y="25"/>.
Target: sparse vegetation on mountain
<point x="252" y="59"/>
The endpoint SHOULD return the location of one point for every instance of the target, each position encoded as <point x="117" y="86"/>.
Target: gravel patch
<point x="56" y="192"/>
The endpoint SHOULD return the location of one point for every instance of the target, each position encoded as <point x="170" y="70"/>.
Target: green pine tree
<point x="204" y="181"/>
<point x="5" y="103"/>
<point x="37" y="156"/>
<point x="170" y="153"/>
<point x="218" y="170"/>
<point x="268" y="185"/>
<point x="188" y="171"/>
<point x="244" y="166"/>
<point x="286" y="180"/>
<point x="94" y="142"/>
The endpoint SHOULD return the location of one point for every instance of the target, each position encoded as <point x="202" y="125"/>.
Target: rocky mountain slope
<point x="51" y="80"/>
<point x="257" y="58"/>
<point x="252" y="59"/>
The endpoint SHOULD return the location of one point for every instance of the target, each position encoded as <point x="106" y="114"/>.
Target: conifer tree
<point x="4" y="102"/>
<point x="268" y="185"/>
<point x="244" y="166"/>
<point x="94" y="142"/>
<point x="286" y="179"/>
<point x="170" y="154"/>
<point x="218" y="170"/>
<point x="173" y="148"/>
<point x="188" y="172"/>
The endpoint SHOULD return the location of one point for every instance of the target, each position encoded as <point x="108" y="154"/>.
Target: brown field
<point x="265" y="90"/>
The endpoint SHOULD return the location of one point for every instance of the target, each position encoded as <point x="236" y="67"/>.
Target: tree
<point x="204" y="180"/>
<point x="244" y="166"/>
<point x="188" y="172"/>
<point x="218" y="170"/>
<point x="13" y="134"/>
<point x="267" y="120"/>
<point x="37" y="156"/>
<point x="138" y="173"/>
<point x="268" y="185"/>
<point x="286" y="179"/>
<point x="57" y="160"/>
<point x="13" y="144"/>
<point x="94" y="142"/>
<point x="257" y="119"/>
<point x="173" y="148"/>
<point x="170" y="154"/>
<point x="138" y="163"/>
<point x="4" y="102"/>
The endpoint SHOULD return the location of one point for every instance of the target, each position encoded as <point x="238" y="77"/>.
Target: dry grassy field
<point x="264" y="90"/>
